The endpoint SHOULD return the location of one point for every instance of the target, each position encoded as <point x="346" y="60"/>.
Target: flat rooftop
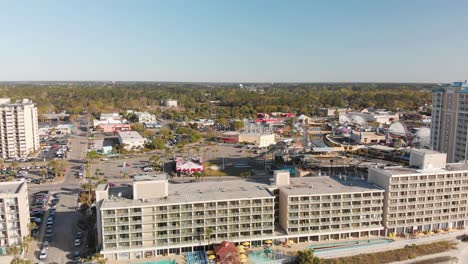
<point x="327" y="185"/>
<point x="426" y="151"/>
<point x="451" y="167"/>
<point x="150" y="177"/>
<point x="10" y="187"/>
<point x="198" y="192"/>
<point x="129" y="135"/>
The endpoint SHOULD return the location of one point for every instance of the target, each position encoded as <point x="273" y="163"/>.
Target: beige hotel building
<point x="428" y="195"/>
<point x="154" y="218"/>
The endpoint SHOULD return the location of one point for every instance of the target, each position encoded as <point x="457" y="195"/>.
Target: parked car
<point x="77" y="242"/>
<point x="76" y="255"/>
<point x="48" y="237"/>
<point x="43" y="254"/>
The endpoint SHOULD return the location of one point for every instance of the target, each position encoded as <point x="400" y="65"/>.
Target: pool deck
<point x="290" y="251"/>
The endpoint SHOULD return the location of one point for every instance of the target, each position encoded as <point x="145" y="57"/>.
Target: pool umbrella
<point x="241" y="250"/>
<point x="243" y="258"/>
<point x="211" y="257"/>
<point x="290" y="242"/>
<point x="268" y="241"/>
<point x="210" y="252"/>
<point x="246" y="243"/>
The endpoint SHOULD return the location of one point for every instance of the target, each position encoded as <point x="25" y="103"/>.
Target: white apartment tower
<point x="450" y="121"/>
<point x="18" y="128"/>
<point x="14" y="214"/>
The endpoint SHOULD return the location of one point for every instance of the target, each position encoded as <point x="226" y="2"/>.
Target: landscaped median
<point x="406" y="253"/>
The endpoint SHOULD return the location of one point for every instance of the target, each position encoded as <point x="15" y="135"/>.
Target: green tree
<point x="223" y="121"/>
<point x="139" y="127"/>
<point x="58" y="167"/>
<point x="92" y="155"/>
<point x="14" y="251"/>
<point x="306" y="256"/>
<point x="155" y="161"/>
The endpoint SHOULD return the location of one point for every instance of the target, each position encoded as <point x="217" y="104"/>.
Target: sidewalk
<point x="390" y="246"/>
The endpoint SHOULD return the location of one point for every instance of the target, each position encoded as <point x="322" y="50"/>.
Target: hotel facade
<point x="154" y="218"/>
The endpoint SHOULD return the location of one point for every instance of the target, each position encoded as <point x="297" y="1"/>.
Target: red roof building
<point x="226" y="253"/>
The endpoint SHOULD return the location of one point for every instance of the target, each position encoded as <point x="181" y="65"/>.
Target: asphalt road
<point x="62" y="246"/>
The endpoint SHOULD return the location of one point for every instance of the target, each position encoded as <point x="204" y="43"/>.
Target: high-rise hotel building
<point x="450" y="121"/>
<point x="18" y="128"/>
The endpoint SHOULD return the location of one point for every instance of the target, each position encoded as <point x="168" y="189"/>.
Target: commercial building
<point x="170" y="103"/>
<point x="368" y="137"/>
<point x="327" y="112"/>
<point x="19" y="134"/>
<point x="449" y="121"/>
<point x="145" y="117"/>
<point x="258" y="139"/>
<point x="131" y="139"/>
<point x="380" y="116"/>
<point x="112" y="128"/>
<point x="14" y="214"/>
<point x="428" y="195"/>
<point x="109" y="119"/>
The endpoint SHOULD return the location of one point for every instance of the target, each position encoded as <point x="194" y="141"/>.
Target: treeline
<point x="231" y="100"/>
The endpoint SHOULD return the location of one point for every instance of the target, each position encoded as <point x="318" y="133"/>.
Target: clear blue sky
<point x="242" y="40"/>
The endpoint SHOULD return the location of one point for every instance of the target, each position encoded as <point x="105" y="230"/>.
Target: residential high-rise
<point x="450" y="121"/>
<point x="14" y="214"/>
<point x="18" y="128"/>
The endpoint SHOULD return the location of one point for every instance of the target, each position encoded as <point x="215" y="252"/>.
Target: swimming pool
<point x="261" y="256"/>
<point x="349" y="244"/>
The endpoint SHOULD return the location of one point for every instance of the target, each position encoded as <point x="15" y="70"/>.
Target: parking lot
<point x="224" y="159"/>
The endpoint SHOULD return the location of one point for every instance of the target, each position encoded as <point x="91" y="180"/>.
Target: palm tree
<point x="31" y="226"/>
<point x="208" y="233"/>
<point x="154" y="161"/>
<point x="14" y="165"/>
<point x="14" y="250"/>
<point x="306" y="256"/>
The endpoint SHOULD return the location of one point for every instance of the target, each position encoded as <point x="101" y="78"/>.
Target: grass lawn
<point x="406" y="253"/>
